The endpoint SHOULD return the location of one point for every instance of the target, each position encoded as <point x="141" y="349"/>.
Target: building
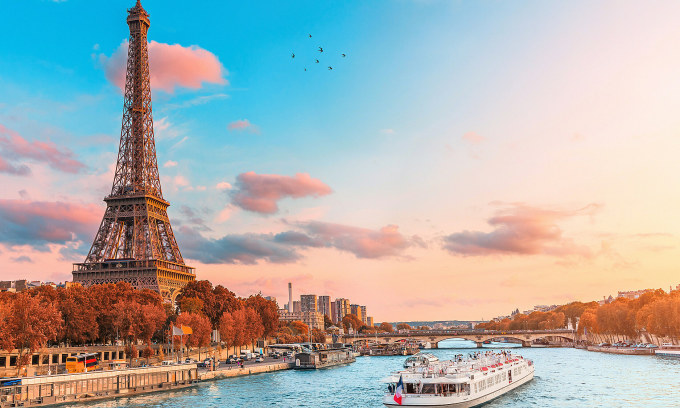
<point x="312" y="319"/>
<point x="342" y="308"/>
<point x="290" y="297"/>
<point x="633" y="294"/>
<point x="369" y="321"/>
<point x="14" y="286"/>
<point x="356" y="311"/>
<point x="135" y="242"/>
<point x="324" y="304"/>
<point x="364" y="315"/>
<point x="297" y="306"/>
<point x="22" y="284"/>
<point x="270" y="298"/>
<point x="308" y="303"/>
<point x="334" y="312"/>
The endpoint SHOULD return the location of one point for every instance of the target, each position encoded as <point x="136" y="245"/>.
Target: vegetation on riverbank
<point x="656" y="313"/>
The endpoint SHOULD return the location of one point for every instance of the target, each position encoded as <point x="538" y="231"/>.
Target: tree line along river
<point x="565" y="377"/>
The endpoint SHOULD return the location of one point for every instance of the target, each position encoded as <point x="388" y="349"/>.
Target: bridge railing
<point x="462" y="333"/>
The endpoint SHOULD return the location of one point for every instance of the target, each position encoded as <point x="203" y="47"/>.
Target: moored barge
<point x="323" y="358"/>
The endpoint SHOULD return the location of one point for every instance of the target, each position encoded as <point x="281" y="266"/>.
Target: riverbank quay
<point x="70" y="388"/>
<point x="232" y="371"/>
<point x="623" y="350"/>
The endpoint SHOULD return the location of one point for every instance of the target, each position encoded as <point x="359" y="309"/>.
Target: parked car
<point x="259" y="359"/>
<point x="232" y="360"/>
<point x="603" y="345"/>
<point x="276" y="356"/>
<point x="209" y="361"/>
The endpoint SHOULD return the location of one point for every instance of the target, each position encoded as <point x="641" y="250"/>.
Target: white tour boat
<point x="462" y="382"/>
<point x="668" y="350"/>
<point x="420" y="359"/>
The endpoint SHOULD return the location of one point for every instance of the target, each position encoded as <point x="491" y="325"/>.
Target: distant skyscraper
<point x="290" y="297"/>
<point x="343" y="308"/>
<point x="297" y="306"/>
<point x="369" y="321"/>
<point x="324" y="304"/>
<point x="363" y="314"/>
<point x="356" y="311"/>
<point x="308" y="303"/>
<point x="270" y="298"/>
<point x="334" y="312"/>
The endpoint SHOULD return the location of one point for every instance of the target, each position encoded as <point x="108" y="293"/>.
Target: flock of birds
<point x="316" y="60"/>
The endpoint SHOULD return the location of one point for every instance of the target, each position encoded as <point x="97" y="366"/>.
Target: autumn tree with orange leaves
<point x="28" y="324"/>
<point x="200" y="330"/>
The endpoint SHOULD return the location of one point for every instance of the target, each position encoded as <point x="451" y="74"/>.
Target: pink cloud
<point x="37" y="223"/>
<point x="473" y="137"/>
<point x="243" y="125"/>
<point x="521" y="230"/>
<point x="15" y="147"/>
<point x="261" y="192"/>
<point x="170" y="66"/>
<point x="17" y="170"/>
<point x="362" y="242"/>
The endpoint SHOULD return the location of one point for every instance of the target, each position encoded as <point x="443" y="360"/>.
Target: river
<point x="564" y="378"/>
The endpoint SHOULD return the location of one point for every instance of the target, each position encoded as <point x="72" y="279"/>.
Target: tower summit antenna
<point x="135" y="242"/>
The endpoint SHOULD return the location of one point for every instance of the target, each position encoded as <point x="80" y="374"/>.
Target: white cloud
<point x="223" y="185"/>
<point x="170" y="163"/>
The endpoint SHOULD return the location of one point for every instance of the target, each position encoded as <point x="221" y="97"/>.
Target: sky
<point x="463" y="159"/>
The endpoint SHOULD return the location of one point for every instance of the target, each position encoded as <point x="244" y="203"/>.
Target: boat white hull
<point x="668" y="353"/>
<point x="456" y="401"/>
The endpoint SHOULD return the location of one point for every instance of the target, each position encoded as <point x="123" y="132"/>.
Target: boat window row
<point x="491" y="381"/>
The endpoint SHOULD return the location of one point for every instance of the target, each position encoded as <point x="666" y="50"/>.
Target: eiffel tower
<point x="135" y="243"/>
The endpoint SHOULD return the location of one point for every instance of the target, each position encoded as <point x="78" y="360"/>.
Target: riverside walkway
<point x="42" y="391"/>
<point x="228" y="371"/>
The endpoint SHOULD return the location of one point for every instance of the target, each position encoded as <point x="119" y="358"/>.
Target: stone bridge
<point x="478" y="336"/>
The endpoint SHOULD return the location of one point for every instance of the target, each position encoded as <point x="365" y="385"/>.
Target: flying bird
<point x="310" y="36"/>
<point x="317" y="61"/>
<point x="292" y="55"/>
<point x="330" y="68"/>
<point x="305" y="69"/>
<point x="343" y="55"/>
<point x="320" y="49"/>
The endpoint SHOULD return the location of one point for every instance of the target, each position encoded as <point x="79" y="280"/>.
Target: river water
<point x="564" y="378"/>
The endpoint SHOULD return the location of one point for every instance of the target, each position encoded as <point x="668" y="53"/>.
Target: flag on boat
<point x="398" y="391"/>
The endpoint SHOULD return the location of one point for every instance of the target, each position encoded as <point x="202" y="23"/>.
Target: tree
<point x="386" y="327"/>
<point x="215" y="301"/>
<point x="227" y="329"/>
<point x="79" y="314"/>
<point x="191" y="305"/>
<point x="299" y="328"/>
<point x="327" y="322"/>
<point x="200" y="327"/>
<point x="31" y="324"/>
<point x="352" y="321"/>
<point x="147" y="353"/>
<point x="318" y="336"/>
<point x="253" y="325"/>
<point x="403" y="326"/>
<point x="588" y="321"/>
<point x="267" y="311"/>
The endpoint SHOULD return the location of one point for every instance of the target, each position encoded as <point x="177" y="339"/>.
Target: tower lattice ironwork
<point x="135" y="242"/>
